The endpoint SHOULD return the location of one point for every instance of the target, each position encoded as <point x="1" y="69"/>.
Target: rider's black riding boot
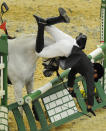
<point x="54" y="20"/>
<point x="61" y="18"/>
<point x="40" y="38"/>
<point x="40" y="34"/>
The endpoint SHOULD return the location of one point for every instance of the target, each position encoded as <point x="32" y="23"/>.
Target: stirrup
<point x="64" y="15"/>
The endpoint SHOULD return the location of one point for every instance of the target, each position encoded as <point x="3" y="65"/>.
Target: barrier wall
<point x="3" y="83"/>
<point x="56" y="106"/>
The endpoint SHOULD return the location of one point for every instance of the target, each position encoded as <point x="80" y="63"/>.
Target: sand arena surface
<point x="85" y="18"/>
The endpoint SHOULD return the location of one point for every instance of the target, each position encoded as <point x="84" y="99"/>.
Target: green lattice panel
<point x="59" y="105"/>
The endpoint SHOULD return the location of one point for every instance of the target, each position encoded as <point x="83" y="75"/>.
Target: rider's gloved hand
<point x="89" y="109"/>
<point x="71" y="92"/>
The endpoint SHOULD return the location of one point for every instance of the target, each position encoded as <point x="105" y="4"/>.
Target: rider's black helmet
<point x="99" y="70"/>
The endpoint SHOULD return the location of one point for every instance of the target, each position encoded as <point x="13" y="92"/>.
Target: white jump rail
<point x="2" y="66"/>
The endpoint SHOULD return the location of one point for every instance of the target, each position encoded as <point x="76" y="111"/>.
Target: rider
<point x="69" y="50"/>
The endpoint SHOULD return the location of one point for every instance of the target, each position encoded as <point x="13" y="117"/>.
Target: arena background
<point x="85" y="18"/>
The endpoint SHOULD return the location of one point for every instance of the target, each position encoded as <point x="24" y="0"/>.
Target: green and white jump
<point x="3" y="85"/>
<point x="53" y="103"/>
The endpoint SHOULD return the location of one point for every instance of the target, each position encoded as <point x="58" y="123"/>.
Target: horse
<point x="22" y="59"/>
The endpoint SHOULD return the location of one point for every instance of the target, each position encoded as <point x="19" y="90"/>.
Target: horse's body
<point x="22" y="60"/>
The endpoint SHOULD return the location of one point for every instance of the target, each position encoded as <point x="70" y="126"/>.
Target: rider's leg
<point x="40" y="34"/>
<point x="42" y="23"/>
<point x="52" y="30"/>
<point x="40" y="39"/>
<point x="63" y="17"/>
<point x="57" y="34"/>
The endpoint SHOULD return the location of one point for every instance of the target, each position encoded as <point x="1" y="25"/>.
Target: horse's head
<point x="50" y="66"/>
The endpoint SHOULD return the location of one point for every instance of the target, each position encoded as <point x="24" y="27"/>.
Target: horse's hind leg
<point x="30" y="85"/>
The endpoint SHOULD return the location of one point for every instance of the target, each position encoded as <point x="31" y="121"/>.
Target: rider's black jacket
<point x="80" y="63"/>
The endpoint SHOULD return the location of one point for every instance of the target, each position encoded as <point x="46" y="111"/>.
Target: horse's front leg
<point x="30" y="87"/>
<point x="18" y="86"/>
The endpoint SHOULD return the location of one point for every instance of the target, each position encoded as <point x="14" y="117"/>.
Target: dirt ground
<point x="85" y="18"/>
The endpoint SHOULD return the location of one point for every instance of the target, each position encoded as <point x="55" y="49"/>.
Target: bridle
<point x="50" y="65"/>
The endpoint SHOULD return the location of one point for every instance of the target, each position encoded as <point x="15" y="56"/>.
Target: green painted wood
<point x="58" y="80"/>
<point x="100" y="105"/>
<point x="80" y="98"/>
<point x="67" y="119"/>
<point x="103" y="31"/>
<point x="100" y="91"/>
<point x="3" y="45"/>
<point x="85" y="88"/>
<point x="99" y="57"/>
<point x="13" y="106"/>
<point x="19" y="120"/>
<point x="95" y="102"/>
<point x="34" y="95"/>
<point x="4" y="99"/>
<point x="56" y="88"/>
<point x="84" y="85"/>
<point x="41" y="116"/>
<point x="30" y="117"/>
<point x="104" y="3"/>
<point x="4" y="53"/>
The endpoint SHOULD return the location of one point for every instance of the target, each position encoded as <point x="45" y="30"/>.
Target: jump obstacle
<point x="53" y="104"/>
